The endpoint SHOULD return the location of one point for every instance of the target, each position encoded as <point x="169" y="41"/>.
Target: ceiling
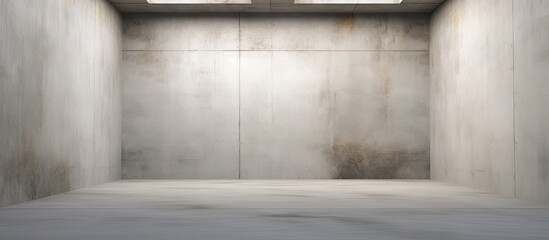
<point x="278" y="6"/>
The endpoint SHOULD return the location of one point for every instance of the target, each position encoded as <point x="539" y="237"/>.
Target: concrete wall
<point x="275" y="96"/>
<point x="488" y="87"/>
<point x="59" y="97"/>
<point x="531" y="48"/>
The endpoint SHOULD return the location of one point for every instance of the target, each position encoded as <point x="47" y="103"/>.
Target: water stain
<point x="40" y="78"/>
<point x="361" y="161"/>
<point x="543" y="161"/>
<point x="133" y="29"/>
<point x="144" y="168"/>
<point x="129" y="155"/>
<point x="31" y="176"/>
<point x="386" y="81"/>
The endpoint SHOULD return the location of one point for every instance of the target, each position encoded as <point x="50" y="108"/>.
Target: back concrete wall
<point x="275" y="96"/>
<point x="59" y="96"/>
<point x="489" y="89"/>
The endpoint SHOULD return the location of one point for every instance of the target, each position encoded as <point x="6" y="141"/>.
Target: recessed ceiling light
<point x="199" y="1"/>
<point x="347" y="1"/>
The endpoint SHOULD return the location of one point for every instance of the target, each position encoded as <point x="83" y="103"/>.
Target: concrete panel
<point x="472" y="94"/>
<point x="531" y="30"/>
<point x="180" y="114"/>
<point x="334" y="32"/>
<point x="334" y="115"/>
<point x="381" y="114"/>
<point x="181" y="32"/>
<point x="49" y="89"/>
<point x="286" y="121"/>
<point x="107" y="96"/>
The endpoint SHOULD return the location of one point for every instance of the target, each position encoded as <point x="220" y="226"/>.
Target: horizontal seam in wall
<point x="277" y="50"/>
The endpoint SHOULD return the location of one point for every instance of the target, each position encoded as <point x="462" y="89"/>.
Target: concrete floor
<point x="275" y="209"/>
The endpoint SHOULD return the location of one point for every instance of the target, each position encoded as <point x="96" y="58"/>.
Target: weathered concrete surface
<point x="472" y="95"/>
<point x="329" y="32"/>
<point x="276" y="209"/>
<point x="180" y="97"/>
<point x="488" y="91"/>
<point x="59" y="97"/>
<point x="181" y="32"/>
<point x="531" y="28"/>
<point x="334" y="114"/>
<point x="276" y="96"/>
<point x="180" y="114"/>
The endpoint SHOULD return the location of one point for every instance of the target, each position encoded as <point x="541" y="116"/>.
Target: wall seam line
<point x="239" y="101"/>
<point x="514" y="110"/>
<point x="281" y="50"/>
<point x="93" y="93"/>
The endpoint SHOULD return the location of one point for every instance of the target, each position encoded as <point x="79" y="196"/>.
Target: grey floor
<point x="275" y="209"/>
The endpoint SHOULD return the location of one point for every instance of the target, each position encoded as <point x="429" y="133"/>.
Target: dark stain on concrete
<point x="198" y="207"/>
<point x="351" y="220"/>
<point x="129" y="155"/>
<point x="31" y="176"/>
<point x="386" y="78"/>
<point x="117" y="220"/>
<point x="131" y="159"/>
<point x="362" y="161"/>
<point x="291" y="195"/>
<point x="290" y="215"/>
<point x="543" y="161"/>
<point x="131" y="23"/>
<point x="133" y="29"/>
<point x="144" y="169"/>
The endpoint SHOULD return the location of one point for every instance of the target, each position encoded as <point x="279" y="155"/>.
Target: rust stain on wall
<point x="347" y="22"/>
<point x="456" y="19"/>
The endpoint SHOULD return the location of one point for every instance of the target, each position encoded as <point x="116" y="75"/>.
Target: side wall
<point x="489" y="83"/>
<point x="276" y="96"/>
<point x="531" y="28"/>
<point x="59" y="97"/>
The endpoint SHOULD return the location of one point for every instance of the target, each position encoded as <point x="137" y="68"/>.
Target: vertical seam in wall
<point x="514" y="114"/>
<point x="272" y="93"/>
<point x="239" y="100"/>
<point x="94" y="80"/>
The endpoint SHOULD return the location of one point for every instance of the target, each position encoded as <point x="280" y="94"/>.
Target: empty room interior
<point x="274" y="119"/>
